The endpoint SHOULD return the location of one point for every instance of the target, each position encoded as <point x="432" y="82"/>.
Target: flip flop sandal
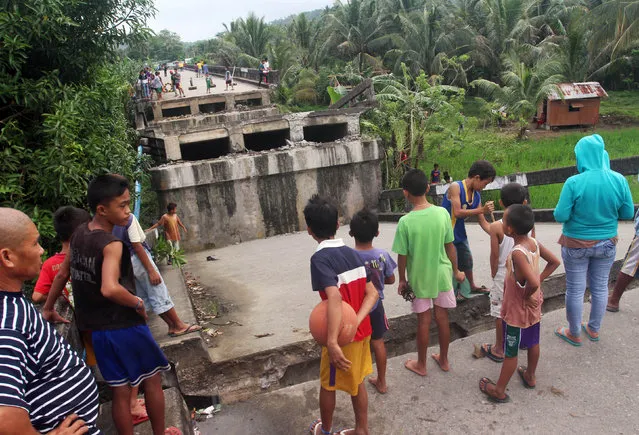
<point x="493" y="399"/>
<point x="589" y="334"/>
<point x="190" y="329"/>
<point x="172" y="431"/>
<point x="483" y="290"/>
<point x="563" y="334"/>
<point x="137" y="419"/>
<point x="612" y="309"/>
<point x="487" y="351"/>
<point x="459" y="298"/>
<point x="316" y="428"/>
<point x="521" y="370"/>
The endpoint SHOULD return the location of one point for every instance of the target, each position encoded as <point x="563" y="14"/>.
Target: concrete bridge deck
<point x="201" y="85"/>
<point x="264" y="285"/>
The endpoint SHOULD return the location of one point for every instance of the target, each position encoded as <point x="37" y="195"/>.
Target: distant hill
<point x="310" y="15"/>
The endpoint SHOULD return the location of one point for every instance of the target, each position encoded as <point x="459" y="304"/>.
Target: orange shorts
<point x="359" y="354"/>
<point x="88" y="347"/>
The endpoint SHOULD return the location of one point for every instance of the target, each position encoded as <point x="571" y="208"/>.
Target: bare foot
<point x="414" y="366"/>
<point x="443" y="364"/>
<point x="379" y="386"/>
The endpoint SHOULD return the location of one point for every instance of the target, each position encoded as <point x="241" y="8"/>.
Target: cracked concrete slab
<point x="591" y="389"/>
<point x="265" y="284"/>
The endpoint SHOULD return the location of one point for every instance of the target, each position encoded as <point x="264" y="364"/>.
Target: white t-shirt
<point x="135" y="231"/>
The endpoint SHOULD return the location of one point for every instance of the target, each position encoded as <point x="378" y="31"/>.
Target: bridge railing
<point x="250" y="75"/>
<point x="625" y="166"/>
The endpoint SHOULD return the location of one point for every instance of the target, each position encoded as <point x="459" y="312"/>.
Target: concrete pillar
<point x="230" y="101"/>
<point x="296" y="130"/>
<point x="236" y="139"/>
<point x="195" y="106"/>
<point x="157" y="112"/>
<point x="139" y="121"/>
<point x="172" y="148"/>
<point x="266" y="98"/>
<point x="353" y="125"/>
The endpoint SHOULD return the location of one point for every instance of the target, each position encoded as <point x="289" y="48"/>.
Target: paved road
<point x="265" y="284"/>
<point x="587" y="390"/>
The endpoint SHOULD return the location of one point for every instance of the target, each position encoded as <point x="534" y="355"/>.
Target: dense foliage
<point x="462" y="40"/>
<point x="63" y="112"/>
<point x="426" y="55"/>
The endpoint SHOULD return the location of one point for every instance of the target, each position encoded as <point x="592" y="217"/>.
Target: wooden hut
<point x="572" y="104"/>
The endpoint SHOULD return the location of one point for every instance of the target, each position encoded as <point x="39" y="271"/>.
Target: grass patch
<point x="510" y="156"/>
<point x="621" y="103"/>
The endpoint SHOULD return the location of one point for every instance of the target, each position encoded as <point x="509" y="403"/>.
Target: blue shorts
<point x="379" y="322"/>
<point x="464" y="256"/>
<point x="155" y="297"/>
<point x="128" y="356"/>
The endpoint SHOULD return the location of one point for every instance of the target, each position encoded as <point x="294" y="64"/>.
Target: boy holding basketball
<point x="426" y="255"/>
<point x="338" y="273"/>
<point x="381" y="268"/>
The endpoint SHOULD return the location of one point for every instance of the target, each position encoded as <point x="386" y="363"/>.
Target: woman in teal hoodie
<point x="589" y="207"/>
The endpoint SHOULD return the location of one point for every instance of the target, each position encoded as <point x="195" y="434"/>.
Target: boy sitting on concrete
<point x="463" y="200"/>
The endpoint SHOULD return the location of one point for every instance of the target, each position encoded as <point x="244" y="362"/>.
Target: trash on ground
<point x="206" y="413"/>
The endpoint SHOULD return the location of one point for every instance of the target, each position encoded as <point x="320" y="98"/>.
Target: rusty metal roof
<point x="573" y="91"/>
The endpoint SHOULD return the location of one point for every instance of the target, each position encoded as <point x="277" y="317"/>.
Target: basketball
<point x="318" y="324"/>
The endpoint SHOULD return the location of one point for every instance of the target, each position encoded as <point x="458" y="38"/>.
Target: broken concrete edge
<point x="240" y="378"/>
<point x="541" y="215"/>
<point x="241" y="167"/>
<point x="176" y="414"/>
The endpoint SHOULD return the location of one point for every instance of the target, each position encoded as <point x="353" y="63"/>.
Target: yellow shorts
<point x="359" y="354"/>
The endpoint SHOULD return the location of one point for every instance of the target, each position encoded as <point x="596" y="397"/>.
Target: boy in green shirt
<point x="424" y="246"/>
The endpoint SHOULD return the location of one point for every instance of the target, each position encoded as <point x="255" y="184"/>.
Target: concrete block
<point x="172" y="148"/>
<point x="195" y="106"/>
<point x="176" y="414"/>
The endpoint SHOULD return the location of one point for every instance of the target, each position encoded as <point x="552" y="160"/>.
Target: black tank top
<point x="93" y="311"/>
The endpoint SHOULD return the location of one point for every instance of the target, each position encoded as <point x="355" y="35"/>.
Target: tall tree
<point x="524" y="86"/>
<point x="62" y="113"/>
<point x="360" y="31"/>
<point x="426" y="40"/>
<point x="251" y="35"/>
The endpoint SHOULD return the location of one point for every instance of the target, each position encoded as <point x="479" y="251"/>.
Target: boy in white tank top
<point x="500" y="247"/>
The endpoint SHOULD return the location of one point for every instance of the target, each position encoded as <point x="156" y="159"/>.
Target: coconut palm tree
<point x="524" y="88"/>
<point x="426" y="40"/>
<point x="359" y="31"/>
<point x="251" y="35"/>
<point x="617" y="24"/>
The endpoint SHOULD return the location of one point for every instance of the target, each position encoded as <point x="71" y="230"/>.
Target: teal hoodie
<point x="592" y="201"/>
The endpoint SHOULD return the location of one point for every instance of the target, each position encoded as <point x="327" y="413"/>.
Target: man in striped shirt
<point x="44" y="386"/>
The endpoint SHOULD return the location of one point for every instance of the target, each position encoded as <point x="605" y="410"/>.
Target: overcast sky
<point x="202" y="19"/>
